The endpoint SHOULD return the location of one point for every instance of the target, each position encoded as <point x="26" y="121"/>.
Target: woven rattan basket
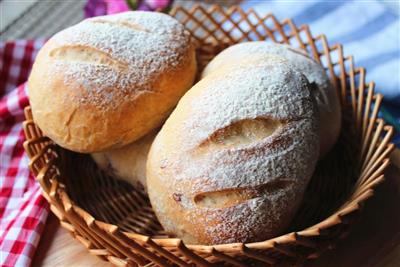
<point x="115" y="221"/>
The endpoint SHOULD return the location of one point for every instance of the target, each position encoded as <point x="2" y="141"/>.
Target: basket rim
<point x="349" y="206"/>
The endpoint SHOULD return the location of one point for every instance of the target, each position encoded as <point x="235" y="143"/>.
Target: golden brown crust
<point x="232" y="161"/>
<point x="94" y="87"/>
<point x="127" y="163"/>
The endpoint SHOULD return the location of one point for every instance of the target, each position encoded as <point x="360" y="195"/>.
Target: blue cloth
<point x="368" y="30"/>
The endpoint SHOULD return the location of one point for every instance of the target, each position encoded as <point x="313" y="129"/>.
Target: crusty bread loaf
<point x="233" y="160"/>
<point x="128" y="162"/>
<point x="327" y="100"/>
<point x="108" y="81"/>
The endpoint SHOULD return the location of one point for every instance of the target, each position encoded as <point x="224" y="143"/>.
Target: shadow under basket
<point x="115" y="221"/>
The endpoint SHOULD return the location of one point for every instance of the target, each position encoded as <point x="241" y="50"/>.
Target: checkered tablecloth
<point x="23" y="210"/>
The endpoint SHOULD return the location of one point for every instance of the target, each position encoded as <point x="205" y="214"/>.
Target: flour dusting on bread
<point x="323" y="92"/>
<point x="187" y="160"/>
<point x="142" y="55"/>
<point x="109" y="80"/>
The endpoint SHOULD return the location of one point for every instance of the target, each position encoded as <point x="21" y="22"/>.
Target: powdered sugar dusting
<point x="267" y="89"/>
<point x="148" y="43"/>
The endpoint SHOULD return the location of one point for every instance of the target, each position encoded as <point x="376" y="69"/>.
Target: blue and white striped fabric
<point x="369" y="30"/>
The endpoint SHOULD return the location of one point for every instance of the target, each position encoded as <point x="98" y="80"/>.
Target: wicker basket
<point x="115" y="221"/>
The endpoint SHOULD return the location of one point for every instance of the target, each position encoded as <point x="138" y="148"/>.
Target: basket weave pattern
<point x="115" y="222"/>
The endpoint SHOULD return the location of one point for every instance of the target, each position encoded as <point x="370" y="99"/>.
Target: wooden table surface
<point x="374" y="240"/>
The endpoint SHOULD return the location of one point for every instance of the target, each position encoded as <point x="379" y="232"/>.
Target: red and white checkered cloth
<point x="23" y="210"/>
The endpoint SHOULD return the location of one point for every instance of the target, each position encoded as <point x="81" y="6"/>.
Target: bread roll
<point x="324" y="93"/>
<point x="233" y="160"/>
<point x="108" y="81"/>
<point x="127" y="163"/>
